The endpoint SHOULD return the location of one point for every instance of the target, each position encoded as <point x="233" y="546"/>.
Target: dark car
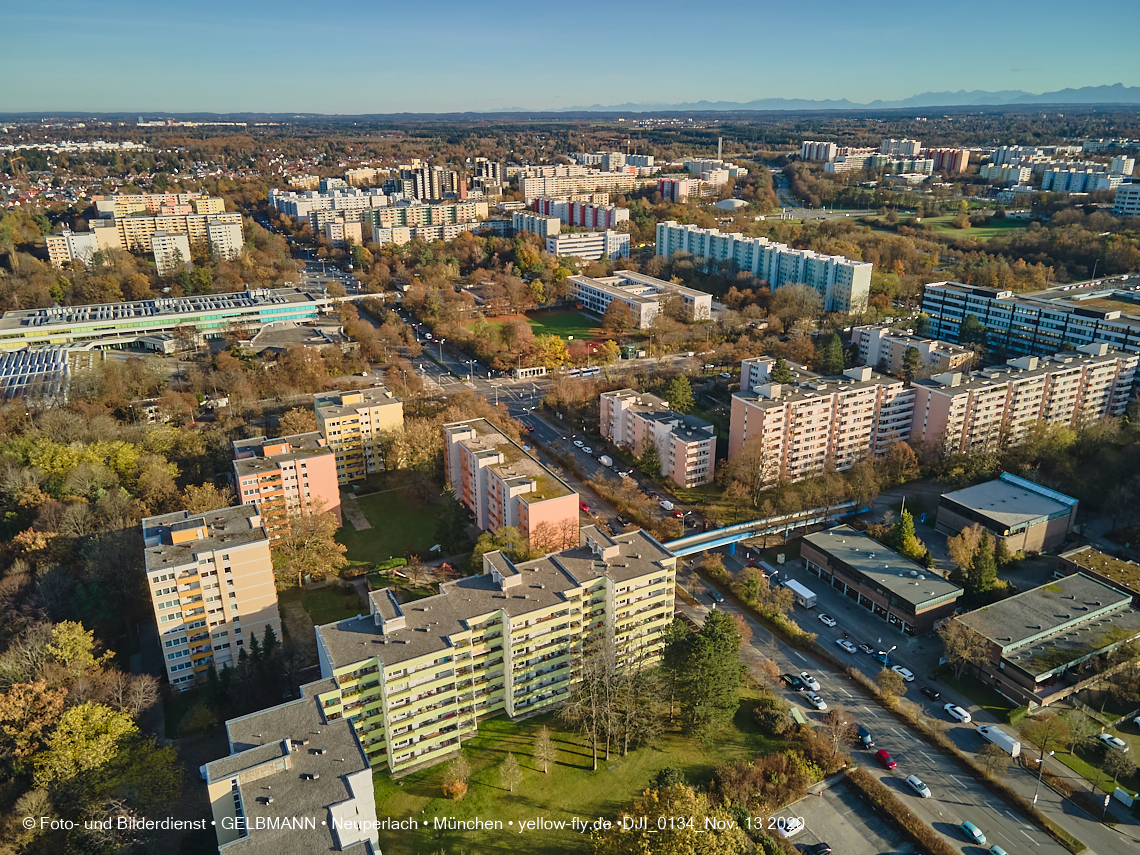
<point x="933" y="694"/>
<point x="868" y="649"/>
<point x="865" y="737"/>
<point x="794" y="682"/>
<point x="818" y="849"/>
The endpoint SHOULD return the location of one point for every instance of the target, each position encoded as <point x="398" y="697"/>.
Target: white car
<point x="957" y="712"/>
<point x="827" y="620"/>
<point x="809" y="681"/>
<point x="1113" y="742"/>
<point x="905" y="673"/>
<point x="578" y="443"/>
<point x="847" y="645"/>
<point x="587" y="449"/>
<point x="918" y="786"/>
<point x="789" y="827"/>
<point x="816" y="701"/>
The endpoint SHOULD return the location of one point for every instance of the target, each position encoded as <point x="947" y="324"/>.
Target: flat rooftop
<point x="301" y="445"/>
<point x="332" y="403"/>
<point x="1123" y="573"/>
<point x="261" y="737"/>
<point x="1011" y="503"/>
<point x="884" y="567"/>
<point x="1058" y="624"/>
<point x="517" y="463"/>
<point x="282" y="335"/>
<point x="545" y="583"/>
<point x="226" y="528"/>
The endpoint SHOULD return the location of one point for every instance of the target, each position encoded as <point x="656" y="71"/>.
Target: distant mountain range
<point x="1115" y="94"/>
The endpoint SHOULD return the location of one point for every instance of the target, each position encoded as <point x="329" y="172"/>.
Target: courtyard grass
<point x="401" y="523"/>
<point x="408" y="591"/>
<point x="995" y="704"/>
<point x="570" y="790"/>
<point x="326" y="605"/>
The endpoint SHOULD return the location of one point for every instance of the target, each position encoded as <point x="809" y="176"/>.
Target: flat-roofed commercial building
<point x="890" y="586"/>
<point x="1120" y="574"/>
<point x="417" y="678"/>
<point x="286" y="477"/>
<point x="210" y="578"/>
<point x="352" y="423"/>
<point x="1039" y="640"/>
<point x="998" y="406"/>
<point x="803" y="427"/>
<point x="1027" y="516"/>
<point x="843" y="284"/>
<point x="590" y="246"/>
<point x="503" y="485"/>
<point x="685" y="444"/>
<point x="293" y="782"/>
<point x="207" y="316"/>
<point x="1042" y="322"/>
<point x="643" y="295"/>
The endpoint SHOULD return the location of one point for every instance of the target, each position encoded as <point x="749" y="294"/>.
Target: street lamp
<point x="1040" y="773"/>
<point x="441" y="341"/>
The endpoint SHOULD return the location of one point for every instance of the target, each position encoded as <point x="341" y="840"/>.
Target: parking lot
<point x="845" y="822"/>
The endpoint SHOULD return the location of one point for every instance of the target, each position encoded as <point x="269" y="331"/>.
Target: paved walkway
<point x="351" y="512"/>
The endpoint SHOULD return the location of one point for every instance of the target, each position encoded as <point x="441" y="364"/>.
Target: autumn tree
<point x="87" y="737"/>
<point x="27" y="712"/>
<point x="544" y="751"/>
<point x="298" y="420"/>
<point x="202" y="498"/>
<point x="794" y="303"/>
<point x="307" y="546"/>
<point x="455" y="775"/>
<point x="964" y="546"/>
<point x="1048" y="732"/>
<point x="890" y="683"/>
<point x="617" y="317"/>
<point x="684" y="838"/>
<point x="994" y="758"/>
<point x="903" y="538"/>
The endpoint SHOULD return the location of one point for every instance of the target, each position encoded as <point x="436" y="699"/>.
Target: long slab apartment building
<point x="685" y="444"/>
<point x="503" y="485"/>
<point x="843" y="284"/>
<point x="642" y="294"/>
<point x="416" y="678"/>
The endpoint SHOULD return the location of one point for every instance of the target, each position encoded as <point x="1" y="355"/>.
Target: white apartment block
<point x="849" y="162"/>
<point x="300" y="205"/>
<point x="416" y="679"/>
<point x="587" y="181"/>
<point x="211" y="585"/>
<point x="823" y="152"/>
<point x="996" y="407"/>
<point x="590" y="246"/>
<point x="226" y="240"/>
<point x="813" y="423"/>
<point x="642" y="294"/>
<point x="1005" y="173"/>
<point x="1122" y="165"/>
<point x="1127" y="204"/>
<point x="698" y="167"/>
<point x="72" y="246"/>
<point x="1083" y="180"/>
<point x="894" y="164"/>
<point x="1015" y="154"/>
<point x="536" y="224"/>
<point x="843" y="284"/>
<point x="171" y="252"/>
<point x="885" y="348"/>
<point x="398" y="235"/>
<point x="903" y="148"/>
<point x="685" y="444"/>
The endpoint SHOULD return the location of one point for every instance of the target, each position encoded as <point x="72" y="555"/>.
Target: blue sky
<point x="379" y="56"/>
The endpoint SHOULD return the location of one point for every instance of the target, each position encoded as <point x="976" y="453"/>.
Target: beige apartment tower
<point x="210" y="578"/>
<point x="352" y="423"/>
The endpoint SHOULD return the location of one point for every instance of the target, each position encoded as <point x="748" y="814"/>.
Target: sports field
<point x="560" y="322"/>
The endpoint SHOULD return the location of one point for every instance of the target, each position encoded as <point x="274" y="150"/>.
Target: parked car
<point x="881" y="656"/>
<point x="905" y="673"/>
<point x="725" y="374"/>
<point x="818" y="849"/>
<point x="865" y="738"/>
<point x="793" y="825"/>
<point x="886" y="759"/>
<point x="868" y="649"/>
<point x="1113" y="742"/>
<point x="960" y="714"/>
<point x="816" y="701"/>
<point x="716" y="596"/>
<point x="678" y="515"/>
<point x="809" y="681"/>
<point x="582" y="506"/>
<point x="794" y="683"/>
<point x="578" y="443"/>
<point x="588" y="450"/>
<point x="916" y="784"/>
<point x="972" y="833"/>
<point x="933" y="694"/>
<point x="666" y="504"/>
<point x="827" y="620"/>
<point x="846" y="645"/>
<point x="997" y="850"/>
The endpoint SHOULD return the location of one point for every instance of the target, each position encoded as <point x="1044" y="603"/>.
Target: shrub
<point x="1016" y="715"/>
<point x="356" y="571"/>
<point x="455" y="790"/>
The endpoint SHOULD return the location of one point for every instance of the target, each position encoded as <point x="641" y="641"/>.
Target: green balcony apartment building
<point x="415" y="679"/>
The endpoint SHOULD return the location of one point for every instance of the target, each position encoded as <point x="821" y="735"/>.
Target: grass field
<point x="944" y="226"/>
<point x="326" y="605"/>
<point x="399" y="523"/>
<point x="570" y="789"/>
<point x="408" y="591"/>
<point x="562" y="323"/>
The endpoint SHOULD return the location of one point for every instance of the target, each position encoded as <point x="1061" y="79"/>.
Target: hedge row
<point x="921" y="834"/>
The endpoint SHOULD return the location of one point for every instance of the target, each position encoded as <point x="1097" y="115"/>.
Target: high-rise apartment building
<point x="1122" y="165"/>
<point x="72" y="246"/>
<point x="1127" y="204"/>
<point x="996" y="407"/>
<point x="352" y="424"/>
<point x="584" y="214"/>
<point x="804" y="427"/>
<point x="1038" y="323"/>
<point x="286" y="477"/>
<point x="135" y="233"/>
<point x="503" y="485"/>
<point x="843" y="284"/>
<point x="210" y="578"/>
<point x="154" y="204"/>
<point x="902" y="148"/>
<point x="884" y="349"/>
<point x="415" y="679"/>
<point x="822" y="152"/>
<point x="171" y="253"/>
<point x="226" y="240"/>
<point x="587" y="181"/>
<point x="416" y="216"/>
<point x="590" y="246"/>
<point x="685" y="444"/>
<point x="948" y="160"/>
<point x="1005" y="173"/>
<point x="536" y="224"/>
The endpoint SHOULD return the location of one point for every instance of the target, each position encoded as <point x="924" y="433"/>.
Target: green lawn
<point x="1087" y="762"/>
<point x="564" y="323"/>
<point x="571" y="789"/>
<point x="983" y="233"/>
<point x="400" y="523"/>
<point x="326" y="605"/>
<point x="408" y="591"/>
<point x="997" y="705"/>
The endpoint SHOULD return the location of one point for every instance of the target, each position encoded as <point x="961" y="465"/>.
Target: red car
<point x="678" y="515"/>
<point x="885" y="758"/>
<point x="584" y="507"/>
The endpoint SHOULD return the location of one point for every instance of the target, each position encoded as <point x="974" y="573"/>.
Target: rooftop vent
<point x="311" y="776"/>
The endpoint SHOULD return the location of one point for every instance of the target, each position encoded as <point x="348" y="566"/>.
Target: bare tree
<point x="544" y="751"/>
<point x="1119" y="765"/>
<point x="510" y="773"/>
<point x="1082" y="729"/>
<point x="963" y="645"/>
<point x="993" y="758"/>
<point x="837" y="728"/>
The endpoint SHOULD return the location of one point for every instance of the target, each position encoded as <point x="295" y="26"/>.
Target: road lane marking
<point x="958" y="781"/>
<point x="796" y="653"/>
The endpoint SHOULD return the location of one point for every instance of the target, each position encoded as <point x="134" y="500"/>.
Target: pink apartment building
<point x="287" y="476"/>
<point x="996" y="407"/>
<point x="813" y="422"/>
<point x="685" y="444"/>
<point x="503" y="485"/>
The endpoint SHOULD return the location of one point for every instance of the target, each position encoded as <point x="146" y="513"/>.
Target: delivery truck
<point x="803" y="595"/>
<point x="1000" y="738"/>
